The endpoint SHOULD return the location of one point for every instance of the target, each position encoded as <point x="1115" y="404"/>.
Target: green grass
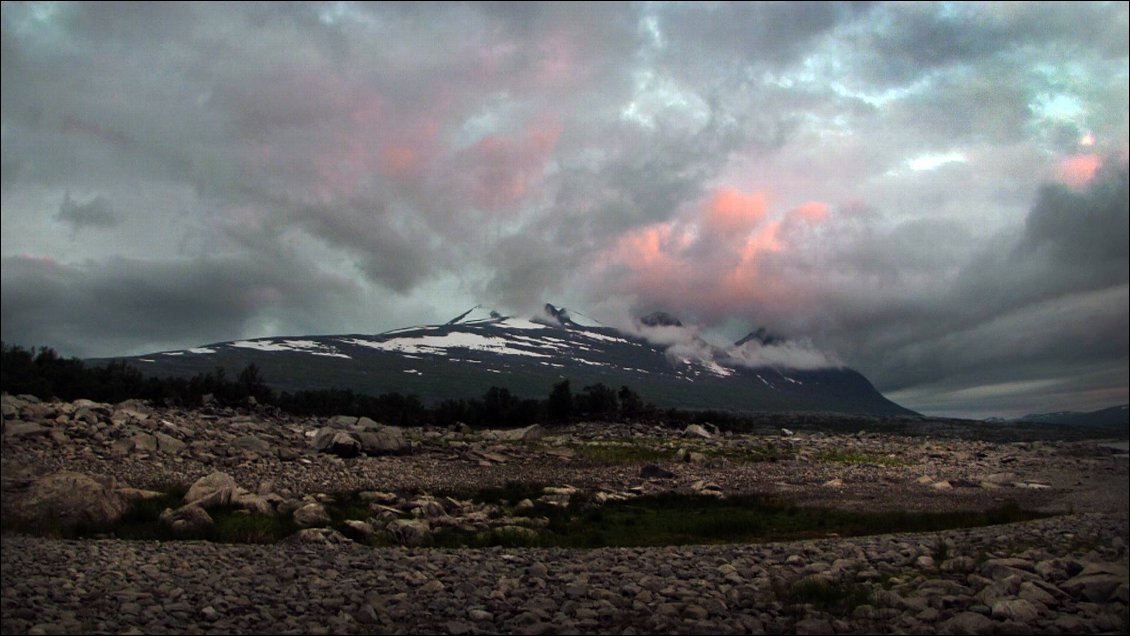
<point x="676" y="519"/>
<point x="860" y="457"/>
<point x="621" y="453"/>
<point x="659" y="520"/>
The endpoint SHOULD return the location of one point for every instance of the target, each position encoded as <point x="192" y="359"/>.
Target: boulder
<point x="1015" y="609"/>
<point x="1096" y="582"/>
<point x="526" y="434"/>
<point x="67" y="499"/>
<point x="336" y="442"/>
<point x="317" y="536"/>
<point x="344" y="421"/>
<point x="188" y="520"/>
<point x="385" y="440"/>
<point x="695" y="430"/>
<point x="361" y="529"/>
<point x="312" y="515"/>
<point x="409" y="532"/>
<point x="19" y="428"/>
<point x="653" y="471"/>
<point x="168" y="444"/>
<point x="253" y="444"/>
<point x="145" y="443"/>
<point x="967" y="623"/>
<point x="216" y="489"/>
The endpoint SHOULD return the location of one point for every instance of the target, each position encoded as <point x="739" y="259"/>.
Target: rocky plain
<point x="85" y="464"/>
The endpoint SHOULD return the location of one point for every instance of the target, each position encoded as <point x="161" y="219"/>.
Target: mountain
<point x="1113" y="417"/>
<point x="479" y="349"/>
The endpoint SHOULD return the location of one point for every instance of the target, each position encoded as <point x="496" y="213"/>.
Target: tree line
<point x="45" y="374"/>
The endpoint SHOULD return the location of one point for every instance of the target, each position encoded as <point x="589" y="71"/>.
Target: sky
<point x="933" y="194"/>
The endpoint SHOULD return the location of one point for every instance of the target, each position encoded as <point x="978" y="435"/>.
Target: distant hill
<point x="479" y="349"/>
<point x="1113" y="417"/>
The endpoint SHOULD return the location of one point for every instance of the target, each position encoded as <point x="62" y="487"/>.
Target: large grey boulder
<point x="66" y="499"/>
<point x="1096" y="582"/>
<point x="526" y="434"/>
<point x="312" y="515"/>
<point x="336" y="442"/>
<point x="215" y="489"/>
<point x="409" y="532"/>
<point x="386" y="440"/>
<point x="696" y="430"/>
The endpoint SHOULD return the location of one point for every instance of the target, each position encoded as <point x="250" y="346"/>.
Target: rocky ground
<point x="1061" y="574"/>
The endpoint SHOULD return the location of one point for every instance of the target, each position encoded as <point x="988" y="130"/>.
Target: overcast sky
<point x="934" y="194"/>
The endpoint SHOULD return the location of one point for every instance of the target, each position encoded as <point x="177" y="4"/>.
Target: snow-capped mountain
<point x="667" y="363"/>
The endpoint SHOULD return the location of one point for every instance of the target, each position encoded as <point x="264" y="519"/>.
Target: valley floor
<point x="1065" y="573"/>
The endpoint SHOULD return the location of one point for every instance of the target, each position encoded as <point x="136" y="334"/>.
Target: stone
<point x="211" y="491"/>
<point x="317" y="536"/>
<point x="653" y="471"/>
<point x="168" y="444"/>
<point x="696" y="430"/>
<point x="1015" y="609"/>
<point x="942" y="485"/>
<point x="386" y="440"/>
<point x="312" y="515"/>
<point x="252" y="443"/>
<point x="834" y="483"/>
<point x="253" y="503"/>
<point x="409" y="532"/>
<point x="1030" y="591"/>
<point x="361" y="529"/>
<point x="967" y="623"/>
<point x="66" y="498"/>
<point x="336" y="442"/>
<point x="1096" y="582"/>
<point x="145" y="443"/>
<point x="526" y="434"/>
<point x="19" y="428"/>
<point x="188" y="520"/>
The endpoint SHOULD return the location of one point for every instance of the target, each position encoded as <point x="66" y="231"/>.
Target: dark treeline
<point x="47" y="375"/>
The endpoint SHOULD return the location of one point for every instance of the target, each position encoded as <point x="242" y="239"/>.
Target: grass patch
<point x="677" y="519"/>
<point x="860" y="457"/>
<point x="838" y="599"/>
<point x="659" y="520"/>
<point x="621" y="453"/>
<point x="240" y="526"/>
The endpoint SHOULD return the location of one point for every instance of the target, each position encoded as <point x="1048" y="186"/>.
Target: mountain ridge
<point x="480" y="348"/>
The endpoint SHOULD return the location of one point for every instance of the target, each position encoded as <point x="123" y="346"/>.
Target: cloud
<point x="801" y="354"/>
<point x="125" y="306"/>
<point x="740" y="164"/>
<point x="96" y="213"/>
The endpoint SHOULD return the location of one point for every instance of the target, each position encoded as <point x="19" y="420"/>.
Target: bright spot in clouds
<point x="929" y="162"/>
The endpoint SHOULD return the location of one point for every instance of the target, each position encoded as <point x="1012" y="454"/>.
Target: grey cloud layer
<point x="408" y="160"/>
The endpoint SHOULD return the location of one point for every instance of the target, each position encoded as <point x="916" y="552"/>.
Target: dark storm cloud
<point x="123" y="305"/>
<point x="1030" y="306"/>
<point x="96" y="212"/>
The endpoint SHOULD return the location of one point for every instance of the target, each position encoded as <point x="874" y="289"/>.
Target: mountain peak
<point x="558" y="315"/>
<point x="762" y="336"/>
<point x="660" y="319"/>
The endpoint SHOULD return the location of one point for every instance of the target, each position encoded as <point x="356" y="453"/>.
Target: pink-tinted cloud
<point x="732" y="212"/>
<point x="1078" y="170"/>
<point x="500" y="171"/>
<point x="712" y="259"/>
<point x="811" y="212"/>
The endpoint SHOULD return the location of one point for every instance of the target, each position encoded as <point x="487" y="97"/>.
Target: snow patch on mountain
<point x="440" y="345"/>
